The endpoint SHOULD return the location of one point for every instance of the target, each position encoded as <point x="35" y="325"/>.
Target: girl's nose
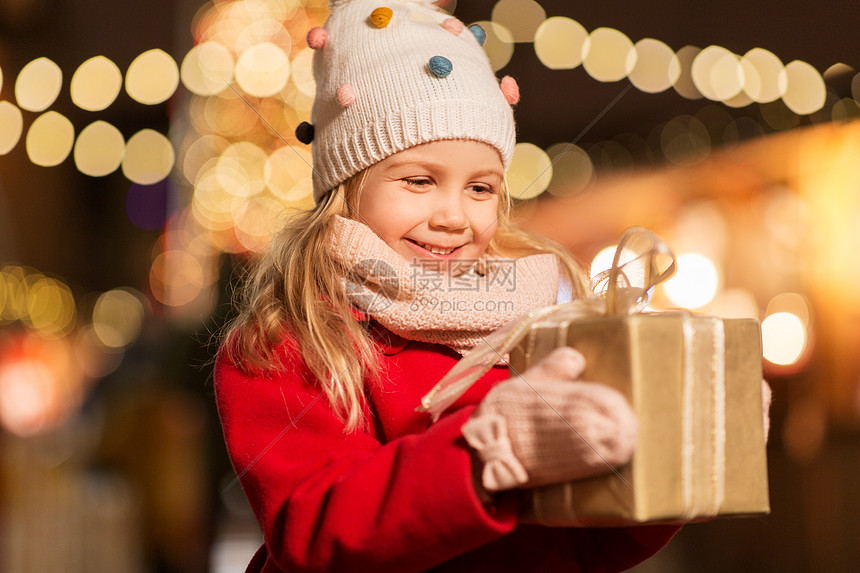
<point x="448" y="212"/>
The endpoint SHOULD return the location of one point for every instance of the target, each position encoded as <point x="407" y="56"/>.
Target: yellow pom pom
<point x="381" y="17"/>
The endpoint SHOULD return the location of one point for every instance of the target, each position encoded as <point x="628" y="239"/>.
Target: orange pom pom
<point x="345" y="95"/>
<point x="381" y="17"/>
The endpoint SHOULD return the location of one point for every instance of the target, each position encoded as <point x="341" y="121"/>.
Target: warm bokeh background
<point x="147" y="151"/>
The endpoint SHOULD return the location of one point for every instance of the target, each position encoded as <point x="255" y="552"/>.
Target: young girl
<point x="365" y="302"/>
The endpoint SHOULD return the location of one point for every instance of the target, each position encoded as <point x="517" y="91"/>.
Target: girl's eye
<point x="481" y="189"/>
<point x="417" y="181"/>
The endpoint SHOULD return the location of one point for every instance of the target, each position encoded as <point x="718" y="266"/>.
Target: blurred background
<point x="147" y="151"/>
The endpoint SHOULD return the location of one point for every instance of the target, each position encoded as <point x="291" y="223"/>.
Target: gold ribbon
<point x="615" y="294"/>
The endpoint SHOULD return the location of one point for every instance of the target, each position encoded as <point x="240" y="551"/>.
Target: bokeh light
<point x="558" y="43"/>
<point x="657" y="66"/>
<point x="772" y="80"/>
<point x="695" y="283"/>
<point x="27" y="395"/>
<point x="99" y="149"/>
<point x="38" y="85"/>
<point x="783" y="338"/>
<point x="51" y="307"/>
<point x="152" y="77"/>
<point x="118" y="317"/>
<point x="287" y="174"/>
<point x="521" y="17"/>
<point x="302" y="73"/>
<point x="263" y="70"/>
<point x="176" y="278"/>
<point x="50" y="139"/>
<point x="685" y="85"/>
<point x="530" y="172"/>
<point x="95" y="84"/>
<point x="805" y="93"/>
<point x="608" y="55"/>
<point x="11" y="126"/>
<point x="717" y="73"/>
<point x="149" y="157"/>
<point x="207" y="69"/>
<point x="572" y="169"/>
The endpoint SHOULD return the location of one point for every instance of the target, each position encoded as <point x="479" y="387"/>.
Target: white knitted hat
<point x="394" y="74"/>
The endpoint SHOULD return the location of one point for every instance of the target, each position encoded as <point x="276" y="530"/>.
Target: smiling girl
<point x="319" y="377"/>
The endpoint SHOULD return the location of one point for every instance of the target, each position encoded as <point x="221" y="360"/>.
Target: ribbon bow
<point x="623" y="289"/>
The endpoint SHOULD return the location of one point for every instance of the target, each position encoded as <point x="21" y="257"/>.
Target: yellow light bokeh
<point x="176" y="278"/>
<point x="717" y="73"/>
<point x="285" y="171"/>
<point x="255" y="223"/>
<point x="152" y="77"/>
<point x="50" y="307"/>
<point x="263" y="70"/>
<point x="521" y="17"/>
<point x="695" y="283"/>
<point x="11" y="126"/>
<point x="38" y="85"/>
<point x="264" y="29"/>
<point x="772" y="80"/>
<point x="783" y="338"/>
<point x="118" y="318"/>
<point x="95" y="84"/>
<point x="608" y="55"/>
<point x="50" y="139"/>
<point x="207" y="69"/>
<point x="149" y="157"/>
<point x="790" y="302"/>
<point x="13" y="304"/>
<point x="201" y="150"/>
<point x="657" y="66"/>
<point x="572" y="169"/>
<point x="530" y="172"/>
<point x="99" y="149"/>
<point x="805" y="93"/>
<point x="499" y="45"/>
<point x="684" y="85"/>
<point x="303" y="72"/>
<point x="558" y="43"/>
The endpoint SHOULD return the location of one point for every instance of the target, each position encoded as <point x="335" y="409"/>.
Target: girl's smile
<point x="435" y="203"/>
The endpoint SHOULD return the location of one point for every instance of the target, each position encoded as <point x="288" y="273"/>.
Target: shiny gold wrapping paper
<point x="665" y="363"/>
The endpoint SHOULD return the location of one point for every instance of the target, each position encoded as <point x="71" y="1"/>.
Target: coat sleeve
<point x="327" y="500"/>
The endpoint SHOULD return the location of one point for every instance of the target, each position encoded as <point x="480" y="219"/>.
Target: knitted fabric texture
<point x="379" y="93"/>
<point x="547" y="427"/>
<point x="424" y="304"/>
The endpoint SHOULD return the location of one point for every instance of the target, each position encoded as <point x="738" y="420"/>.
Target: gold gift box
<point x="695" y="385"/>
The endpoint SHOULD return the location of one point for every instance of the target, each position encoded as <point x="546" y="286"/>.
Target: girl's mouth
<point x="434" y="251"/>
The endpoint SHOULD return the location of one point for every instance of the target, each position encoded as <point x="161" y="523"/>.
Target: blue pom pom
<point x="479" y="33"/>
<point x="440" y="66"/>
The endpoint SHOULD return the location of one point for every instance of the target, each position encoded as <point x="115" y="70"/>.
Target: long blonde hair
<point x="296" y="287"/>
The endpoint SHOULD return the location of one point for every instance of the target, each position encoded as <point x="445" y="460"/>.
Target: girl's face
<point x="436" y="203"/>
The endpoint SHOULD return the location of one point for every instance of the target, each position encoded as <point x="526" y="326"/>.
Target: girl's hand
<point x="547" y="426"/>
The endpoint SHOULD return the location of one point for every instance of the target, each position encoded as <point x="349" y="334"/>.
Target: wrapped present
<point x="695" y="385"/>
<point x="694" y="382"/>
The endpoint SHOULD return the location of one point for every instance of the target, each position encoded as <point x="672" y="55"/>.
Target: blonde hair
<point x="296" y="287"/>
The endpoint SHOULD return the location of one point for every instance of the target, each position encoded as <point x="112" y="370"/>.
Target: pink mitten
<point x="766" y="396"/>
<point x="546" y="426"/>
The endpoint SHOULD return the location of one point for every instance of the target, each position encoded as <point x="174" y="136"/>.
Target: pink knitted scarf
<point x="456" y="309"/>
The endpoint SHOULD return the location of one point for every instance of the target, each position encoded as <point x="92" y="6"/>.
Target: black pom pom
<point x="305" y="132"/>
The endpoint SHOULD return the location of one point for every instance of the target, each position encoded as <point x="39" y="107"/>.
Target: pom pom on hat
<point x="305" y="132"/>
<point x="381" y="16"/>
<point x="345" y="95"/>
<point x="453" y="25"/>
<point x="479" y="33"/>
<point x="510" y="89"/>
<point x="440" y="66"/>
<point x="316" y="38"/>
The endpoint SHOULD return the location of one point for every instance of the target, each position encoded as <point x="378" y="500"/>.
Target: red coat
<point x="397" y="498"/>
